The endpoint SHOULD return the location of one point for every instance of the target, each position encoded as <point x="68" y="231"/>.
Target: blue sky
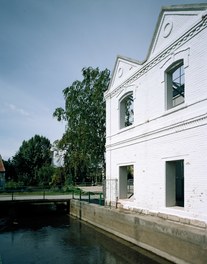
<point x="44" y="44"/>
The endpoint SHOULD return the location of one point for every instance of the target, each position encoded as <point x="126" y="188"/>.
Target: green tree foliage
<point x="45" y="174"/>
<point x="11" y="174"/>
<point x="58" y="177"/>
<point x="31" y="157"/>
<point x="84" y="139"/>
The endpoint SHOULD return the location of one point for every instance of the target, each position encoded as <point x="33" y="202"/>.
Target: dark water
<point x="49" y="237"/>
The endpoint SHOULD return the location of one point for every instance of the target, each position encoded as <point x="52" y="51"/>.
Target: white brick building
<point x="156" y="120"/>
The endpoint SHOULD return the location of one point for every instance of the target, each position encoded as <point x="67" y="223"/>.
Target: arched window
<point x="175" y="84"/>
<point x="127" y="110"/>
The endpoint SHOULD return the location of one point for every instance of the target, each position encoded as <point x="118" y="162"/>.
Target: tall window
<point x="127" y="111"/>
<point x="175" y="84"/>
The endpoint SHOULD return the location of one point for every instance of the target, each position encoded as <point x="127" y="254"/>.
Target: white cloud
<point x="17" y="109"/>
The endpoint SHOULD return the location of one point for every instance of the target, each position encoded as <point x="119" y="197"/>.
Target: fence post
<point x="100" y="198"/>
<point x="73" y="194"/>
<point x="80" y="196"/>
<point x="116" y="202"/>
<point x="89" y="197"/>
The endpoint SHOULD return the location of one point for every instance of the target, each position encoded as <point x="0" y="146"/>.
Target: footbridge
<point x="89" y="194"/>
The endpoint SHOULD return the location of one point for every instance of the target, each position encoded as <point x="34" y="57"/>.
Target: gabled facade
<point x="156" y="120"/>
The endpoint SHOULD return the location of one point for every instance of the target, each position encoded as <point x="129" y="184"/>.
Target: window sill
<point x="175" y="109"/>
<point x="126" y="128"/>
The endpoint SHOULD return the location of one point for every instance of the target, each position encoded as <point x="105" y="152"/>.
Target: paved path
<point x="34" y="197"/>
<point x="95" y="189"/>
<point x="61" y="197"/>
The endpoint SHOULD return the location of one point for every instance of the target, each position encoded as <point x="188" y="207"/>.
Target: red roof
<point x="2" y="169"/>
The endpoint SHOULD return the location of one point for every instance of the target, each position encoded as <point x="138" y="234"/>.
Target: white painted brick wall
<point x="158" y="135"/>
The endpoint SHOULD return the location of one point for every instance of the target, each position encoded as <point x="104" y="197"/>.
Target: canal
<point x="42" y="234"/>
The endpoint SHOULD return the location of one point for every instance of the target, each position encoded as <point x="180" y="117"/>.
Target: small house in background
<point x="2" y="174"/>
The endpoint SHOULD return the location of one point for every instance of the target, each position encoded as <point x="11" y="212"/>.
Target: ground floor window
<point x="126" y="181"/>
<point x="175" y="183"/>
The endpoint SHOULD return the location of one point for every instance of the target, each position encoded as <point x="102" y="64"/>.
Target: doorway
<point x="126" y="181"/>
<point x="175" y="183"/>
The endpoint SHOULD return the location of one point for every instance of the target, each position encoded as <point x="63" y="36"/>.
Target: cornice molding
<point x="202" y="24"/>
<point x="194" y="122"/>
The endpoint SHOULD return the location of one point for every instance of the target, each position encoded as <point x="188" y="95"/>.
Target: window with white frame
<point x="126" y="110"/>
<point x="175" y="84"/>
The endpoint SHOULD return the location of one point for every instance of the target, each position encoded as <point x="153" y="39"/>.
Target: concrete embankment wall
<point x="176" y="242"/>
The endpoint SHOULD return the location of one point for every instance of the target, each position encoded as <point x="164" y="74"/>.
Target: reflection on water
<point x="54" y="238"/>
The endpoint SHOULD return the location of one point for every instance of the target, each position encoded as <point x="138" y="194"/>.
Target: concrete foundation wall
<point x="176" y="242"/>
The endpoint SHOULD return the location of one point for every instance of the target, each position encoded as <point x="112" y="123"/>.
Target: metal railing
<point x="23" y="192"/>
<point x="46" y="193"/>
<point x="90" y="197"/>
<point x="130" y="188"/>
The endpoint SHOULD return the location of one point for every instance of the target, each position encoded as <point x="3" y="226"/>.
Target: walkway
<point x="94" y="189"/>
<point x="34" y="198"/>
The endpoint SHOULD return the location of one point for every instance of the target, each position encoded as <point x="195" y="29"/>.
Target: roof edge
<point x="120" y="57"/>
<point x="129" y="59"/>
<point x="185" y="7"/>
